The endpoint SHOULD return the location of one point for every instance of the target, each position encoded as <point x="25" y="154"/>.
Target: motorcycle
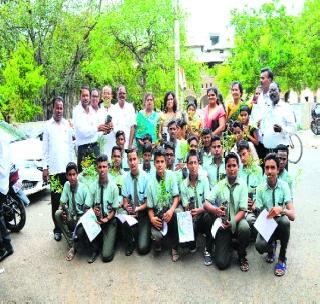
<point x="16" y="200"/>
<point x="315" y="123"/>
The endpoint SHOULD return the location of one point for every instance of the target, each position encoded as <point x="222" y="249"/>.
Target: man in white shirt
<point x="124" y="116"/>
<point x="278" y="121"/>
<point x="57" y="153"/>
<point x="5" y="241"/>
<point x="87" y="126"/>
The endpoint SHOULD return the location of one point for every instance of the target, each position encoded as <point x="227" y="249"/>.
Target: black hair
<point x="245" y="108"/>
<point x="147" y="148"/>
<point x="84" y="87"/>
<point x="282" y="147"/>
<point x="191" y="138"/>
<point x="242" y="144"/>
<point x="71" y="166"/>
<point x="169" y="145"/>
<point x="55" y="99"/>
<point x="205" y="131"/>
<point x="101" y="158"/>
<point x="114" y="148"/>
<point x="268" y="70"/>
<point x="147" y="137"/>
<point x="181" y="123"/>
<point x="215" y="138"/>
<point x="171" y="122"/>
<point x="220" y="97"/>
<point x="119" y="133"/>
<point x="174" y="101"/>
<point x="214" y="89"/>
<point x="191" y="104"/>
<point x="239" y="85"/>
<point x="272" y="156"/>
<point x="237" y="124"/>
<point x="159" y="152"/>
<point x="192" y="153"/>
<point x="231" y="155"/>
<point x="131" y="150"/>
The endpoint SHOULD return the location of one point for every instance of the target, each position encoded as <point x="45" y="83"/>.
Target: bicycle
<point x="295" y="148"/>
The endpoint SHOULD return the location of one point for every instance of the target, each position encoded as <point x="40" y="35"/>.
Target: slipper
<point x="70" y="255"/>
<point x="271" y="256"/>
<point x="175" y="255"/>
<point x="280" y="268"/>
<point x="244" y="264"/>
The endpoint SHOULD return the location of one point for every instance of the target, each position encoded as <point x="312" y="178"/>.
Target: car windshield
<point x="10" y="133"/>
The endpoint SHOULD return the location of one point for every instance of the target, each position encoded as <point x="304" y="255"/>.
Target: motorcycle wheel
<point x="14" y="214"/>
<point x="314" y="127"/>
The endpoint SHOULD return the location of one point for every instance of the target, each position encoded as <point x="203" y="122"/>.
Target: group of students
<point x="209" y="182"/>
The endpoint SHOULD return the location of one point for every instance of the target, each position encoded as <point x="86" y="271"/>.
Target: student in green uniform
<point x="205" y="153"/>
<point x="194" y="191"/>
<point x="251" y="173"/>
<point x="216" y="169"/>
<point x="147" y="165"/>
<point x="72" y="207"/>
<point x="283" y="153"/>
<point x="120" y="142"/>
<point x="274" y="196"/>
<point x="162" y="200"/>
<point x="135" y="202"/>
<point x="116" y="172"/>
<point x="229" y="200"/>
<point x="104" y="201"/>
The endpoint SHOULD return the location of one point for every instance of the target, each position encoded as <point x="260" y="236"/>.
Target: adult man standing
<point x="278" y="121"/>
<point x="124" y="117"/>
<point x="5" y="241"/>
<point x="57" y="153"/>
<point x="86" y="124"/>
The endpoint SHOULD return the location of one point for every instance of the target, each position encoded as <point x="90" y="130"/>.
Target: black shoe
<point x="4" y="253"/>
<point x="93" y="257"/>
<point x="57" y="236"/>
<point x="130" y="249"/>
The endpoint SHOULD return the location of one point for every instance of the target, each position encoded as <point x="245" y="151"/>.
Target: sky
<point x="206" y="16"/>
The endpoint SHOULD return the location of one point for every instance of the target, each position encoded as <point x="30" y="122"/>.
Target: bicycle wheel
<point x="295" y="148"/>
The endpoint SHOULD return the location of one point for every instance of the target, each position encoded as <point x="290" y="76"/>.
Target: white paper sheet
<point x="121" y="217"/>
<point x="265" y="226"/>
<point x="215" y="227"/>
<point x="90" y="225"/>
<point x="185" y="227"/>
<point x="131" y="220"/>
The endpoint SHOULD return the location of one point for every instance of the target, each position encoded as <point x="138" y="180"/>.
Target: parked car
<point x="26" y="154"/>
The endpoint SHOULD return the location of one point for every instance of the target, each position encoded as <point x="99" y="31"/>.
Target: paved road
<point x="38" y="272"/>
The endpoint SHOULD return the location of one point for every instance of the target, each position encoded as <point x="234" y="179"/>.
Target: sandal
<point x="244" y="264"/>
<point x="175" y="255"/>
<point x="280" y="268"/>
<point x="71" y="253"/>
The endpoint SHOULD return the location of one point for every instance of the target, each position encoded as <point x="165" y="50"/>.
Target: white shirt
<point x="123" y="119"/>
<point x="4" y="166"/>
<point x="107" y="141"/>
<point x="57" y="145"/>
<point x="282" y="115"/>
<point x="85" y="125"/>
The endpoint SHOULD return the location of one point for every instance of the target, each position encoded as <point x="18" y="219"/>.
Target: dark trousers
<point x="281" y="233"/>
<point x="139" y="233"/>
<point x="172" y="234"/>
<point x="223" y="243"/>
<point x="86" y="150"/>
<point x="5" y="240"/>
<point x="202" y="224"/>
<point x="55" y="201"/>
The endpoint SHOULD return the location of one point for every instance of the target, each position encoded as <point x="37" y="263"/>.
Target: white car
<point x="26" y="154"/>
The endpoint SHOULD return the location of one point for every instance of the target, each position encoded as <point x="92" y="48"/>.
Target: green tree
<point x="21" y="85"/>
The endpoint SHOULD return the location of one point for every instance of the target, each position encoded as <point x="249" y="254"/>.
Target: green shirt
<point x="110" y="196"/>
<point x="285" y="176"/>
<point x="215" y="173"/>
<point x="81" y="197"/>
<point x="238" y="201"/>
<point x="268" y="197"/>
<point x="207" y="158"/>
<point x="151" y="171"/>
<point x="160" y="194"/>
<point x="252" y="177"/>
<point x="142" y="183"/>
<point x="200" y="192"/>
